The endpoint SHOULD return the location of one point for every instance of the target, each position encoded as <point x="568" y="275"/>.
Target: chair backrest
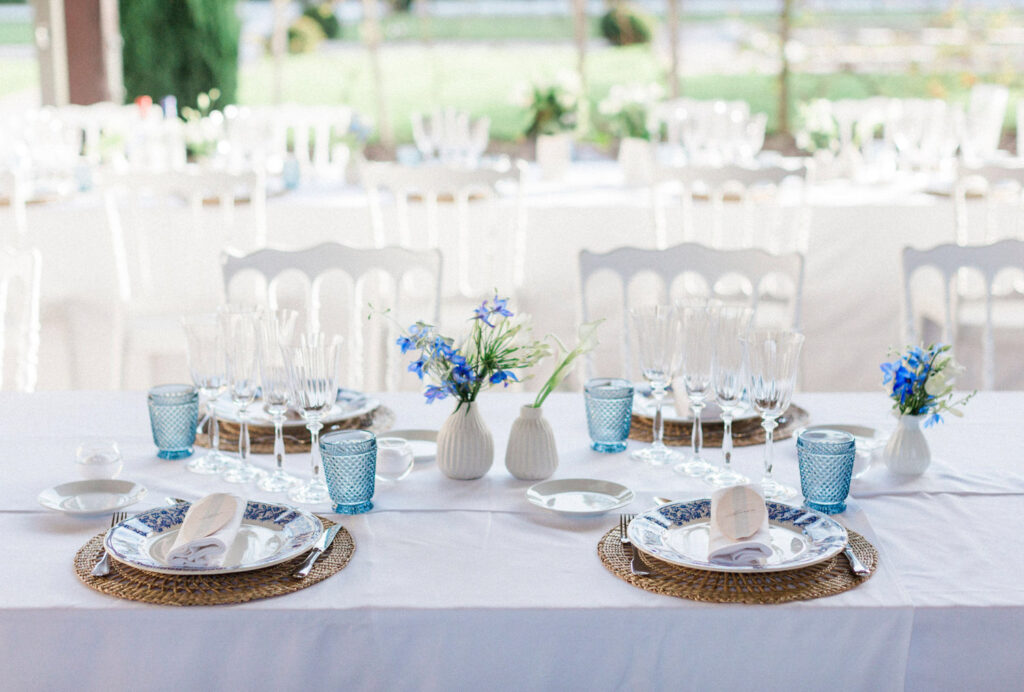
<point x="998" y="213"/>
<point x="391" y="276"/>
<point x="949" y="260"/>
<point x="311" y="130"/>
<point x="986" y="110"/>
<point x="19" y="319"/>
<point x="672" y="266"/>
<point x="450" y="135"/>
<point x="486" y="232"/>
<point x="13" y="220"/>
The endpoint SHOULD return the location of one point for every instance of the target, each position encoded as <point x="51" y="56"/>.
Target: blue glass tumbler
<point x="350" y="465"/>
<point x="173" y="415"/>
<point x="826" y="466"/>
<point x="609" y="405"/>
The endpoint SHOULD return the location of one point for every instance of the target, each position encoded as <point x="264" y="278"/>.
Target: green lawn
<point x="15" y="32"/>
<point x="482" y="79"/>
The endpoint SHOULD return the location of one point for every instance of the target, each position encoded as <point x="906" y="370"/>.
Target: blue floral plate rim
<point x="648" y="531"/>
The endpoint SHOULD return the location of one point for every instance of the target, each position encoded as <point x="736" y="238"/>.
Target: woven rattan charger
<point x="817" y="581"/>
<point x="221" y="589"/>
<point x="745" y="431"/>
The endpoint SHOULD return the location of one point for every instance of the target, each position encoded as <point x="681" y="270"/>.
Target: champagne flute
<point x="241" y="329"/>
<point x="657" y="335"/>
<point x="313" y="363"/>
<point x="697" y="320"/>
<point x="772" y="357"/>
<point x="729" y="380"/>
<point x="278" y="328"/>
<point x="205" y="344"/>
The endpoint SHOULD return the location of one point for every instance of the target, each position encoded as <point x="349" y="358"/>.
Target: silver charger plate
<point x="350" y="404"/>
<point x="675" y="410"/>
<point x="678" y="533"/>
<point x="270" y="534"/>
<point x="422" y="442"/>
<point x="97" y="496"/>
<point x="580" y="497"/>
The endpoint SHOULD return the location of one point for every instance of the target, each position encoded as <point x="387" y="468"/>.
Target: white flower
<point x="935" y="384"/>
<point x="522" y="95"/>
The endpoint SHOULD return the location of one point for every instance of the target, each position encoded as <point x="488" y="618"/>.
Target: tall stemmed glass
<point x="313" y="364"/>
<point x="278" y="328"/>
<point x="657" y="330"/>
<point x="206" y="364"/>
<point x="772" y="357"/>
<point x="241" y="328"/>
<point x="697" y="319"/>
<point x="729" y="380"/>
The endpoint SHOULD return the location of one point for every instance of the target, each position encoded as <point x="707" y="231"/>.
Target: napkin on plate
<point x="738" y="530"/>
<point x="206" y="534"/>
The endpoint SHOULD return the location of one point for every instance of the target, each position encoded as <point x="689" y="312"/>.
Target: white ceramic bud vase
<point x="465" y="448"/>
<point x="554" y="154"/>
<point x="531" y="454"/>
<point x="907" y="452"/>
<point x="636" y="159"/>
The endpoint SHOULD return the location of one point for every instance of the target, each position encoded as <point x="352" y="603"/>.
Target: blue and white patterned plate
<point x="678" y="533"/>
<point x="270" y="534"/>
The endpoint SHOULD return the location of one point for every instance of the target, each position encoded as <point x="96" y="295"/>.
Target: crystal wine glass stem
<point x="697" y="432"/>
<point x="243" y="436"/>
<point x="727" y="437"/>
<point x="279" y="441"/>
<point x="214" y="430"/>
<point x="658" y="434"/>
<point x="769" y="426"/>
<point x="314" y="425"/>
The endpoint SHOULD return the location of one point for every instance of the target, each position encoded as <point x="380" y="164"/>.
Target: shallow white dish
<point x="423" y="442"/>
<point x="97" y="496"/>
<point x="350" y="404"/>
<point x="678" y="533"/>
<point x="270" y="534"/>
<point x="581" y="497"/>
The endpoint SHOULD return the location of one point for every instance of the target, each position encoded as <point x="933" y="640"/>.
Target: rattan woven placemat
<point x="163" y="589"/>
<point x="745" y="432"/>
<point x="824" y="579"/>
<point x="296" y="439"/>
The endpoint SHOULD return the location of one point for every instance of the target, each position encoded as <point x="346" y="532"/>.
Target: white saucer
<point x="423" y="442"/>
<point x="581" y="497"/>
<point x="91" y="497"/>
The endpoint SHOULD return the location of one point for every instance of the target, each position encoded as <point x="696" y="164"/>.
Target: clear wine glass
<point x="205" y="344"/>
<point x="772" y="358"/>
<point x="241" y="330"/>
<point x="697" y="319"/>
<point x="278" y="328"/>
<point x="729" y="380"/>
<point x="657" y="330"/>
<point x="313" y="363"/>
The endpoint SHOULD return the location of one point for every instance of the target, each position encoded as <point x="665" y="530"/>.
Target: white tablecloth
<point x="464" y="585"/>
<point x="852" y="285"/>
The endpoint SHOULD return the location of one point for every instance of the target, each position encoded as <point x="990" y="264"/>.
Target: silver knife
<point x="322" y="545"/>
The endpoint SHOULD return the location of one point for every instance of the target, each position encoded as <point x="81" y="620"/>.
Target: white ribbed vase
<point x="531" y="454"/>
<point x="465" y="448"/>
<point x="907" y="452"/>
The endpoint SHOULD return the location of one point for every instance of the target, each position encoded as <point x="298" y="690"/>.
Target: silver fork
<point x="636" y="566"/>
<point x="102" y="567"/>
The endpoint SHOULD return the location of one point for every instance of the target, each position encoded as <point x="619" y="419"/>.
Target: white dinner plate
<point x="423" y="442"/>
<point x="97" y="496"/>
<point x="581" y="497"/>
<point x="350" y="404"/>
<point x="678" y="533"/>
<point x="270" y="534"/>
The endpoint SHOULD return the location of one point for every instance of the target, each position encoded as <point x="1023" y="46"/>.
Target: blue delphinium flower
<point x="405" y="343"/>
<point x="500" y="307"/>
<point x="463" y="374"/>
<point x="434" y="392"/>
<point x="442" y="349"/>
<point x="482" y="312"/>
<point x="504" y="376"/>
<point x="417" y="366"/>
<point x="932" y="420"/>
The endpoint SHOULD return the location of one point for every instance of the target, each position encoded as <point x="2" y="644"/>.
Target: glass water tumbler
<point x="609" y="411"/>
<point x="350" y="465"/>
<point x="826" y="466"/>
<point x="173" y="415"/>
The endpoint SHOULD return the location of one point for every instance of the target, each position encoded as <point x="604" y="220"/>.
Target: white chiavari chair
<point x="450" y="135"/>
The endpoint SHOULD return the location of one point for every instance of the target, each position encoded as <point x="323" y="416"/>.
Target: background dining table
<point x="464" y="584"/>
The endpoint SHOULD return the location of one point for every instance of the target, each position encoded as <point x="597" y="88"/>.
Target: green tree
<point x="181" y="48"/>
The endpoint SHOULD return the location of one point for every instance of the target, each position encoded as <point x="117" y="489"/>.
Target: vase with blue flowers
<point x="497" y="346"/>
<point x="920" y="383"/>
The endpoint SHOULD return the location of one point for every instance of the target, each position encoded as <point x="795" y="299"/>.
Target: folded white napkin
<point x="206" y="534"/>
<point x="739" y="533"/>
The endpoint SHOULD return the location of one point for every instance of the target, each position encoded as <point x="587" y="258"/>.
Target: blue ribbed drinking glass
<point x="173" y="415"/>
<point x="826" y="466"/>
<point x="350" y="464"/>
<point x="609" y="404"/>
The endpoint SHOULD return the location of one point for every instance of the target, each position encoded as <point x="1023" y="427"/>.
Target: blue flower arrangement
<point x="495" y="348"/>
<point x="920" y="382"/>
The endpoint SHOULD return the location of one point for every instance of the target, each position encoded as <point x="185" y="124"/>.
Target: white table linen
<point x="466" y="585"/>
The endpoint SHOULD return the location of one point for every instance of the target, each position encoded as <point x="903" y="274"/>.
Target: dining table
<point x="466" y="585"/>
